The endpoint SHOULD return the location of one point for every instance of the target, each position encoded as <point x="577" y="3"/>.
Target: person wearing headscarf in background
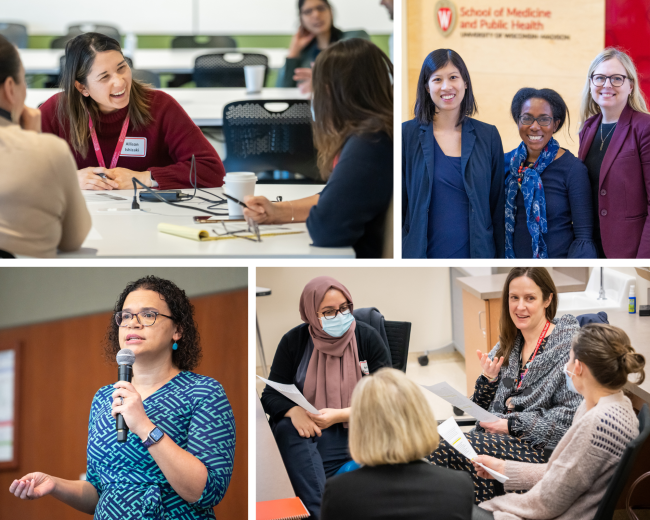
<point x="325" y="357"/>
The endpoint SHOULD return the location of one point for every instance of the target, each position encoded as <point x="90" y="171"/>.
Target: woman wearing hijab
<point x="325" y="358"/>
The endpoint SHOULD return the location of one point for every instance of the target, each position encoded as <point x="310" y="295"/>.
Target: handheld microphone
<point x="125" y="359"/>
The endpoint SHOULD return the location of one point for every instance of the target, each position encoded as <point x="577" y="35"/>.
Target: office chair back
<point x="146" y="76"/>
<point x="6" y="254"/>
<point x="206" y="42"/>
<point x="16" y="33"/>
<point x="399" y="336"/>
<point x="259" y="139"/>
<point x="108" y="30"/>
<point x="624" y="468"/>
<point x="219" y="69"/>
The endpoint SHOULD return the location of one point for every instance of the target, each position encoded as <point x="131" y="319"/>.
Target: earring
<point x="175" y="346"/>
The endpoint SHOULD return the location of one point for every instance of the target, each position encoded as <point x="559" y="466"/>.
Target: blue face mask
<point x="569" y="381"/>
<point x="313" y="114"/>
<point x="337" y="326"/>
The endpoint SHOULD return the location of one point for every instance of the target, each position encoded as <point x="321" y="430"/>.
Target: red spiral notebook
<point x="283" y="509"/>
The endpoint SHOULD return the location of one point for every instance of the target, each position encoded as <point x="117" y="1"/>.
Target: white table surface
<point x="160" y="61"/>
<point x="203" y="105"/>
<point x="120" y="232"/>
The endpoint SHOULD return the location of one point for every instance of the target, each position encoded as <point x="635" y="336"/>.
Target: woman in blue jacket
<point x="452" y="169"/>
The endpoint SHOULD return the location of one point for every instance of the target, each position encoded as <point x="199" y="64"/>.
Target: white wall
<point x="176" y="16"/>
<point x="416" y="294"/>
<point x="37" y="294"/>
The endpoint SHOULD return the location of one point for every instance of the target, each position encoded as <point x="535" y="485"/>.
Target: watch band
<point x="154" y="437"/>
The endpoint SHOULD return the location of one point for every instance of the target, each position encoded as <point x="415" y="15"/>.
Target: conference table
<point x="203" y="105"/>
<point x="160" y="61"/>
<point x="120" y="232"/>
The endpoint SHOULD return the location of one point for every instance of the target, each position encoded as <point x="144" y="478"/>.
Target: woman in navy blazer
<point x="615" y="146"/>
<point x="452" y="169"/>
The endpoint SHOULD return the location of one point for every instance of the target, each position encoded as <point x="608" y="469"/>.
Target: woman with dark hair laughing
<point x="452" y="169"/>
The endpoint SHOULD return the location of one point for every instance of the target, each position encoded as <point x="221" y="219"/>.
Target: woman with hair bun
<point x="548" y="207"/>
<point x="177" y="460"/>
<point x="573" y="482"/>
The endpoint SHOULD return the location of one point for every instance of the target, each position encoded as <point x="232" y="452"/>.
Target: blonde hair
<point x="636" y="100"/>
<point x="390" y="421"/>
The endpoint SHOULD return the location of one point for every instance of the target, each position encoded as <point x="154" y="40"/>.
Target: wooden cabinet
<point x="481" y="327"/>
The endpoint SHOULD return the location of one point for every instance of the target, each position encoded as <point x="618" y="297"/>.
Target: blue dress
<point x="194" y="411"/>
<point x="448" y="230"/>
<point x="568" y="211"/>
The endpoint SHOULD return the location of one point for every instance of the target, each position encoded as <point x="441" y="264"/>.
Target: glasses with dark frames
<point x="528" y="120"/>
<point x="346" y="308"/>
<point x="616" y="80"/>
<point x="145" y="318"/>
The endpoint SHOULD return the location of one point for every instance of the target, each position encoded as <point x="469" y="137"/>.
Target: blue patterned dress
<point x="194" y="411"/>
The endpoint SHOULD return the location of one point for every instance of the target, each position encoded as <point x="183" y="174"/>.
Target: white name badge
<point x="364" y="367"/>
<point x="134" y="147"/>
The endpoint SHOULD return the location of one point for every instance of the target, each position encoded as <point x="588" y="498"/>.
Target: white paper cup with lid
<point x="239" y="185"/>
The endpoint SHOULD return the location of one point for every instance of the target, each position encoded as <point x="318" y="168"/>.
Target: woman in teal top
<point x="316" y="32"/>
<point x="178" y="457"/>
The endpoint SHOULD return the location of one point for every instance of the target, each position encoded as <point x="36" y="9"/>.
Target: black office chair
<point x="146" y="76"/>
<point x="260" y="140"/>
<point x="108" y="30"/>
<point x="204" y="41"/>
<point x="6" y="254"/>
<point x="624" y="468"/>
<point x="399" y="335"/>
<point x="16" y="33"/>
<point x="214" y="70"/>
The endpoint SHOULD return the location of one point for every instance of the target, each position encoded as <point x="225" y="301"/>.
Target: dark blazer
<point x="482" y="169"/>
<point x="623" y="199"/>
<point x="414" y="491"/>
<point x="351" y="210"/>
<point x="292" y="346"/>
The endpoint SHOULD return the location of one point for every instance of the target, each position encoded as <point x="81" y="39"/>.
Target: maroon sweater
<point x="171" y="139"/>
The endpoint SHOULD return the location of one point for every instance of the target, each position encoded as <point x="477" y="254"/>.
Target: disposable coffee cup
<point x="254" y="75"/>
<point x="239" y="185"/>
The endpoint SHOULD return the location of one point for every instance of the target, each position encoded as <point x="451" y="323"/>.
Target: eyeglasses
<point x="528" y="120"/>
<point x="616" y="80"/>
<point x="318" y="9"/>
<point x="145" y="318"/>
<point x="346" y="308"/>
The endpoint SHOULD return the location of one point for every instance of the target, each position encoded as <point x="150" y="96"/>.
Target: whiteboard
<point x="241" y="17"/>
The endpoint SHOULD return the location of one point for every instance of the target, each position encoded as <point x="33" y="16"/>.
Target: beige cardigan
<point x="574" y="481"/>
<point x="41" y="205"/>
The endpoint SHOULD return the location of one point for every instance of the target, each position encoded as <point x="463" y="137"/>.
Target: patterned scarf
<point x="534" y="199"/>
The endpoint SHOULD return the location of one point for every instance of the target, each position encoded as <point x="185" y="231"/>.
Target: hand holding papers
<point x="291" y="392"/>
<point x="451" y="432"/>
<point x="455" y="398"/>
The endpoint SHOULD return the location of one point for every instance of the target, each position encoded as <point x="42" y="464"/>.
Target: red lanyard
<point x="118" y="149"/>
<point x="539" y="342"/>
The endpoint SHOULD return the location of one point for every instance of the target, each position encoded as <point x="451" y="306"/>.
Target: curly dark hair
<point x="555" y="101"/>
<point x="188" y="355"/>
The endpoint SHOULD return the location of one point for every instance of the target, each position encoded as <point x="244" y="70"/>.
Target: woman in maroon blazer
<point x="615" y="147"/>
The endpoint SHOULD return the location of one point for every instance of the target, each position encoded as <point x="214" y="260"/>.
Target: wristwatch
<point x="154" y="436"/>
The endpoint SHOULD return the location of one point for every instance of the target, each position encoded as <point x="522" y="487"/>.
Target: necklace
<point x="602" y="141"/>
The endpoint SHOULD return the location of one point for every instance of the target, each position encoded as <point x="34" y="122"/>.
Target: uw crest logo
<point x="445" y="17"/>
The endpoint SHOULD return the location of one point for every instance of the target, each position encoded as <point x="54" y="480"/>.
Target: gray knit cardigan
<point x="548" y="411"/>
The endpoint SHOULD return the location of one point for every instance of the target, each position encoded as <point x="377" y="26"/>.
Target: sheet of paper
<point x="102" y="197"/>
<point x="291" y="392"/>
<point x="455" y="398"/>
<point x="451" y="432"/>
